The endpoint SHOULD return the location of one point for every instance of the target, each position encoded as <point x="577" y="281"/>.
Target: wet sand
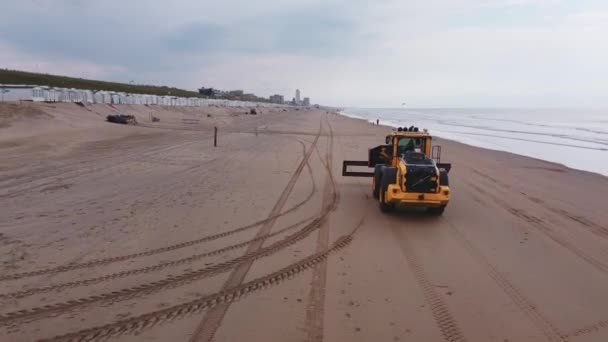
<point x="154" y="233"/>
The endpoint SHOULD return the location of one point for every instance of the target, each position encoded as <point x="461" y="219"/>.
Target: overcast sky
<point x="431" y="53"/>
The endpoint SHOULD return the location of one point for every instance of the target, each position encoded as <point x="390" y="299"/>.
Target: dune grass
<point x="31" y="78"/>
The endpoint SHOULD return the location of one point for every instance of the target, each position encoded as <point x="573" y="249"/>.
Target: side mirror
<point x="388" y="140"/>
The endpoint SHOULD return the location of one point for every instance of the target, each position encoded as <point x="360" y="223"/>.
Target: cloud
<point x="432" y="53"/>
<point x="319" y="31"/>
<point x="13" y="58"/>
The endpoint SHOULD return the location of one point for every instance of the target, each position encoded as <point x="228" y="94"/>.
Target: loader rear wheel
<point x="376" y="181"/>
<point x="438" y="211"/>
<point x="389" y="176"/>
<point x="385" y="207"/>
<point x="443" y="178"/>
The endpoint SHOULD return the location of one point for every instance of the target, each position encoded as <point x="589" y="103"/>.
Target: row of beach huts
<point x="52" y="94"/>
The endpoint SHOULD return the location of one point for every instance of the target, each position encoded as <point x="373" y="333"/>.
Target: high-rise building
<point x="306" y="101"/>
<point x="298" y="96"/>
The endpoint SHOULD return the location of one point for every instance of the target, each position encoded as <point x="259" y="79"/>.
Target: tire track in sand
<point x="36" y="313"/>
<point x="595" y="228"/>
<point x="588" y="329"/>
<point x="316" y="298"/>
<point x="443" y="318"/>
<point x="110" y="260"/>
<point x="147" y="269"/>
<point x="160" y="266"/>
<point x="212" y="320"/>
<point x="247" y="258"/>
<point x="542" y="323"/>
<point x="544" y="229"/>
<point x="226" y="296"/>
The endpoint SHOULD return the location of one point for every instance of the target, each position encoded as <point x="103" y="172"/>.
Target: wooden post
<point x="214" y="136"/>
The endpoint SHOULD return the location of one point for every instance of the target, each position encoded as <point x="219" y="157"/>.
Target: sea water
<point x="575" y="138"/>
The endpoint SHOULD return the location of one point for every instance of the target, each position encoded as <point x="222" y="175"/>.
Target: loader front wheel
<point x="385" y="207"/>
<point x="388" y="177"/>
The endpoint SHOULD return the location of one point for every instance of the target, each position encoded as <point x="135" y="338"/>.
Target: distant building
<point x="276" y="98"/>
<point x="218" y="93"/>
<point x="248" y="97"/>
<point x="306" y="101"/>
<point x="297" y="99"/>
<point x="210" y="92"/>
<point x="235" y="93"/>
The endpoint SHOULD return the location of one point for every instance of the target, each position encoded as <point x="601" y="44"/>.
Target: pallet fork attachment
<point x="347" y="163"/>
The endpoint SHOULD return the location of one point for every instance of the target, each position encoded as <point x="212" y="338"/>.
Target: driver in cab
<point x="409" y="145"/>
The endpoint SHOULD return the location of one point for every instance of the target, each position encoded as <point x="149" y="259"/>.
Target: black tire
<point x="389" y="176"/>
<point x="377" y="176"/>
<point x="438" y="211"/>
<point x="385" y="207"/>
<point x="443" y="178"/>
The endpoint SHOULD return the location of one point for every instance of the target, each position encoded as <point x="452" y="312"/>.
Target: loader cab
<point x="404" y="142"/>
<point x="410" y="144"/>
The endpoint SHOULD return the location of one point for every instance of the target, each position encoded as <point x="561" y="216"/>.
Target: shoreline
<point x="557" y="164"/>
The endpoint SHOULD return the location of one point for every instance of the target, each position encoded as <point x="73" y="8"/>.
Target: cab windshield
<point x="406" y="144"/>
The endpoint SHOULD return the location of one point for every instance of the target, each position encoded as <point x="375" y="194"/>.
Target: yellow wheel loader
<point x="407" y="172"/>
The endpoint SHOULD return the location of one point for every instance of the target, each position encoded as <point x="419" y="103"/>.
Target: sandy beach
<point x="150" y="233"/>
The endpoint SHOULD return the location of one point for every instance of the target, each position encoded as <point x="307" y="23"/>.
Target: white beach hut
<point x="88" y="96"/>
<point x="72" y="95"/>
<point x="98" y="97"/>
<point x="15" y="92"/>
<point x="38" y="94"/>
<point x="103" y="96"/>
<point x="49" y="95"/>
<point x="62" y="95"/>
<point x="54" y="95"/>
